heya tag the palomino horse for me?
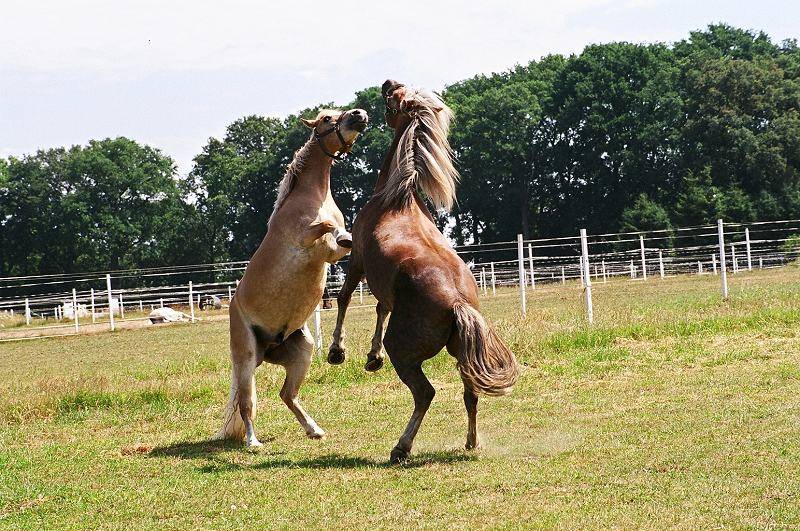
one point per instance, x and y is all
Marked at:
(415, 274)
(285, 278)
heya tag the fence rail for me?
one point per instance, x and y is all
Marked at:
(73, 300)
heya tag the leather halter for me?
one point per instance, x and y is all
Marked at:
(344, 147)
(389, 90)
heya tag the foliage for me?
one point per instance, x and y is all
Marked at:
(112, 204)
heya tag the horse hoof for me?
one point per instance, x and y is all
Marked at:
(316, 435)
(374, 363)
(253, 444)
(472, 446)
(398, 456)
(335, 355)
(344, 239)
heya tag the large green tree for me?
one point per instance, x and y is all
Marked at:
(109, 205)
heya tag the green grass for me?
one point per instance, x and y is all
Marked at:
(676, 409)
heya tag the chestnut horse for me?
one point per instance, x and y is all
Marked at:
(284, 280)
(415, 274)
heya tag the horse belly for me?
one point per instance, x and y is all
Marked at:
(283, 297)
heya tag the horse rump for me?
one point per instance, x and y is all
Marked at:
(486, 364)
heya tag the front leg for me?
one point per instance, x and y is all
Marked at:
(375, 356)
(317, 230)
(354, 275)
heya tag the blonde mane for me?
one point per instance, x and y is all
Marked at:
(423, 160)
(289, 180)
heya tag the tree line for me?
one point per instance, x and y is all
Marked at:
(619, 137)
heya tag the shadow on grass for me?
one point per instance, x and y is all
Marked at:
(208, 449)
(196, 449)
(349, 462)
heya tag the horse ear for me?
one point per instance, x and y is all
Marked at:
(311, 124)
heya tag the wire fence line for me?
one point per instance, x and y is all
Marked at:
(70, 301)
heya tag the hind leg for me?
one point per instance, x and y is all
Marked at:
(295, 355)
(414, 335)
(241, 408)
(470, 399)
(423, 392)
(471, 403)
(245, 378)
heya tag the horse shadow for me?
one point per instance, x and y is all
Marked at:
(209, 451)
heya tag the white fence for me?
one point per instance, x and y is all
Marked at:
(67, 302)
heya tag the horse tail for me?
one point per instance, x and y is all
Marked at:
(233, 426)
(486, 364)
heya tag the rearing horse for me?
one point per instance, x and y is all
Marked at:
(285, 278)
(415, 274)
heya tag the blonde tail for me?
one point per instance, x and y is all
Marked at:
(485, 362)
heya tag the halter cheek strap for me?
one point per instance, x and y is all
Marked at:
(344, 147)
(388, 90)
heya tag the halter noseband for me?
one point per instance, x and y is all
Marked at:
(344, 147)
(388, 98)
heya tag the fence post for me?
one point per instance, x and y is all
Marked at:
(110, 298)
(92, 301)
(75, 308)
(530, 266)
(361, 292)
(191, 301)
(721, 236)
(734, 263)
(27, 312)
(161, 302)
(644, 262)
(761, 262)
(230, 295)
(563, 277)
(699, 267)
(494, 290)
(714, 262)
(661, 263)
(633, 270)
(121, 306)
(747, 248)
(605, 277)
(483, 280)
(580, 268)
(317, 329)
(521, 267)
(587, 282)
(141, 306)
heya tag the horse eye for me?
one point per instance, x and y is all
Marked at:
(326, 119)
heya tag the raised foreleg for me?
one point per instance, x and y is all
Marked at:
(318, 229)
(375, 356)
(354, 276)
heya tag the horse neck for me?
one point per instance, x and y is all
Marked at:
(387, 166)
(387, 160)
(315, 176)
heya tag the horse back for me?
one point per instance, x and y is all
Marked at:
(405, 256)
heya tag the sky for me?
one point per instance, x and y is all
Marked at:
(172, 73)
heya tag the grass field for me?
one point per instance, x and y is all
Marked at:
(675, 409)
